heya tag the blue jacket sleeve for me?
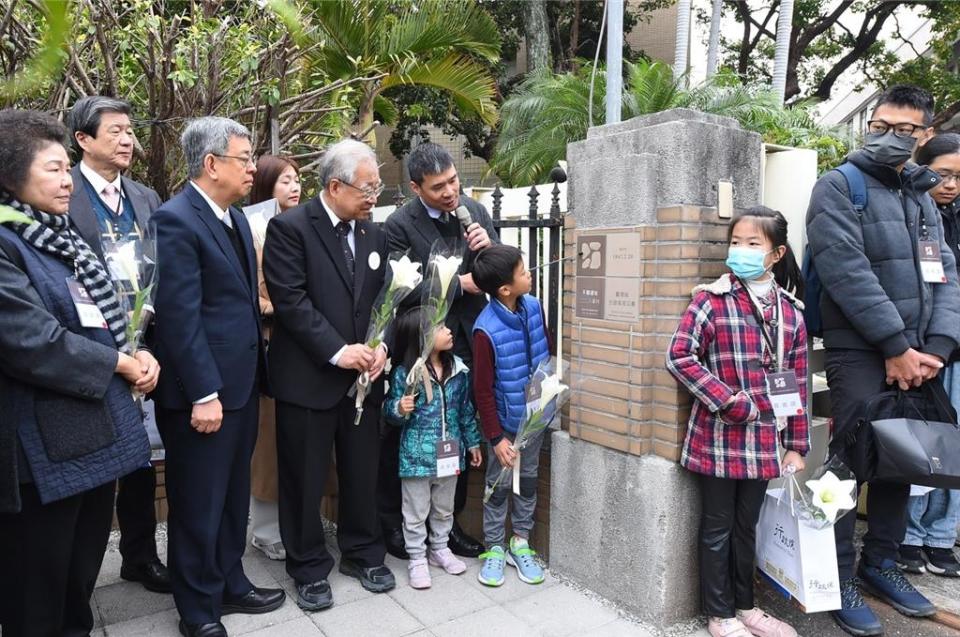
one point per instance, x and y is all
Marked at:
(391, 405)
(469, 426)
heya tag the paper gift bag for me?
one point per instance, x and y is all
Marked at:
(800, 560)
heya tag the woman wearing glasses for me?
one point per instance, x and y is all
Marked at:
(933, 516)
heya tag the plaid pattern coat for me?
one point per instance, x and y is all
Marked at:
(717, 354)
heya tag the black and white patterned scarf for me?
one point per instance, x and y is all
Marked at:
(52, 234)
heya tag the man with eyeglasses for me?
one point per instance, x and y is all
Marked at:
(886, 321)
(209, 340)
(324, 264)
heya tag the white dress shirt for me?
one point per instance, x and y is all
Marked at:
(352, 242)
(99, 183)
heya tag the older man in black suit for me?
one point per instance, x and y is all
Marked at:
(324, 265)
(108, 209)
(416, 226)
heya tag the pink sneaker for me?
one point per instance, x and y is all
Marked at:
(445, 559)
(730, 627)
(419, 573)
(763, 625)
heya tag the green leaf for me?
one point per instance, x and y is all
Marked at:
(9, 215)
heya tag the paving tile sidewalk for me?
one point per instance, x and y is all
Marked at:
(456, 606)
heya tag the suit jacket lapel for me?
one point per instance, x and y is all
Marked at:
(423, 223)
(361, 242)
(246, 240)
(82, 214)
(321, 224)
(141, 208)
(216, 229)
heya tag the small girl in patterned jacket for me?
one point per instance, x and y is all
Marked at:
(435, 422)
(740, 337)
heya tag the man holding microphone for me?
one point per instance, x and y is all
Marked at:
(437, 212)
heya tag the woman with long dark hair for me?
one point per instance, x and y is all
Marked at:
(276, 178)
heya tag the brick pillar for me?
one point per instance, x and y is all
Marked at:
(644, 197)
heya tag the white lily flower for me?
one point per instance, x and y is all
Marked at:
(406, 273)
(126, 259)
(830, 494)
(550, 388)
(447, 267)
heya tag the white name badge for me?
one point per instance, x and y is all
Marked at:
(448, 458)
(374, 260)
(87, 310)
(931, 266)
(784, 394)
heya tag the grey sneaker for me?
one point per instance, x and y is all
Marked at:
(273, 551)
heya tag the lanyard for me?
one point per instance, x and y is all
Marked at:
(775, 349)
(443, 400)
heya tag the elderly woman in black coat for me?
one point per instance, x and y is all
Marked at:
(69, 426)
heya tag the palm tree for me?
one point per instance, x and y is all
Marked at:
(546, 112)
(442, 44)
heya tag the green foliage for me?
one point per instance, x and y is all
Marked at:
(447, 45)
(549, 111)
(574, 36)
(55, 22)
(938, 70)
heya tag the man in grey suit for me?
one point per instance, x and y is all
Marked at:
(107, 208)
(416, 225)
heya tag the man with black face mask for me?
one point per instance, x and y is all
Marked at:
(885, 322)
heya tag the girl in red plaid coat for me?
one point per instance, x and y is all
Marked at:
(739, 334)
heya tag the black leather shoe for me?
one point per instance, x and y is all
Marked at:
(258, 600)
(377, 579)
(462, 544)
(314, 596)
(396, 546)
(215, 629)
(153, 575)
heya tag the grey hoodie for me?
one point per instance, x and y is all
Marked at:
(874, 295)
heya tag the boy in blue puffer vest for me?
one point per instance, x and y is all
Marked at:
(509, 341)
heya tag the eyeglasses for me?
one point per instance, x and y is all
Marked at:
(903, 129)
(948, 177)
(367, 192)
(247, 161)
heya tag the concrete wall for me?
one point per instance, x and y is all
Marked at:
(624, 514)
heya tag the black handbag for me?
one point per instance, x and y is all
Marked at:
(909, 437)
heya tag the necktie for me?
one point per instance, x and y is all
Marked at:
(111, 197)
(343, 229)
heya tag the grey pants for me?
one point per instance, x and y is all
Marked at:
(524, 505)
(423, 498)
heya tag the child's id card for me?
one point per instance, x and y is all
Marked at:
(87, 310)
(448, 458)
(931, 266)
(784, 394)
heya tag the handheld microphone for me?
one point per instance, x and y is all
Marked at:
(463, 215)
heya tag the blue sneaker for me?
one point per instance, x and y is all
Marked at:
(854, 615)
(491, 573)
(888, 583)
(524, 559)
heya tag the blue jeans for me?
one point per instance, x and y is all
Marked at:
(932, 518)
